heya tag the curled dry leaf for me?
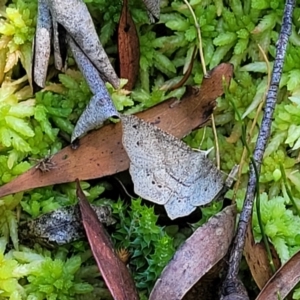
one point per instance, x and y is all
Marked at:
(68, 17)
(128, 47)
(166, 171)
(75, 18)
(257, 259)
(113, 270)
(208, 245)
(101, 152)
(283, 281)
(100, 107)
(41, 44)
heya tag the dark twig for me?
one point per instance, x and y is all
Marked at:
(231, 285)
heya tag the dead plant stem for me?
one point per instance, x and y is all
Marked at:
(230, 285)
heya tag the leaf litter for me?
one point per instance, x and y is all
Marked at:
(101, 152)
(189, 263)
(70, 23)
(283, 281)
(128, 47)
(113, 270)
(73, 18)
(183, 155)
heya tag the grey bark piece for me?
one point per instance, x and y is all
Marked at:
(74, 16)
(166, 171)
(101, 106)
(61, 226)
(42, 47)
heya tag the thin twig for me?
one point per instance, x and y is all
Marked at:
(288, 190)
(199, 37)
(246, 151)
(213, 123)
(254, 123)
(202, 60)
(231, 280)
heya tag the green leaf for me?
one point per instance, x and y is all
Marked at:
(294, 80)
(164, 63)
(225, 38)
(19, 125)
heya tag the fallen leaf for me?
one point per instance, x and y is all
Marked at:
(67, 17)
(3, 53)
(257, 259)
(166, 171)
(42, 44)
(199, 253)
(101, 152)
(26, 60)
(283, 281)
(113, 270)
(75, 18)
(207, 287)
(128, 47)
(101, 106)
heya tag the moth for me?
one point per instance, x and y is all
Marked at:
(166, 171)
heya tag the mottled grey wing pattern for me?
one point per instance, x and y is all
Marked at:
(166, 171)
(201, 187)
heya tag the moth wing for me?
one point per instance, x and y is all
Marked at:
(207, 184)
(178, 207)
(152, 185)
(141, 143)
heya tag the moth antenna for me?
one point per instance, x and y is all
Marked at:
(124, 188)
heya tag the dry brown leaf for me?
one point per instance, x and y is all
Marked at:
(55, 88)
(205, 248)
(101, 152)
(113, 270)
(257, 259)
(283, 281)
(207, 287)
(11, 60)
(128, 47)
(3, 53)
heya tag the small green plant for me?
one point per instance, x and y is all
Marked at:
(149, 245)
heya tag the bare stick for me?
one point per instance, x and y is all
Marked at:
(231, 284)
